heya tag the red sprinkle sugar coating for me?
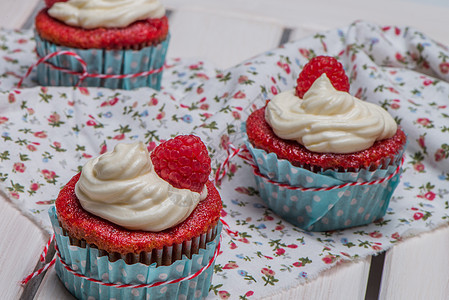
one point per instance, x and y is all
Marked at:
(83, 225)
(262, 136)
(137, 35)
(315, 68)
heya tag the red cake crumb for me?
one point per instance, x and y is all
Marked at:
(262, 136)
(114, 238)
(137, 35)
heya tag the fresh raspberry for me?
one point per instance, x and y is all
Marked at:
(315, 68)
(49, 3)
(183, 162)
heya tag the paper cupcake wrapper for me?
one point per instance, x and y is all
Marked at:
(323, 210)
(87, 261)
(102, 61)
(281, 170)
(328, 210)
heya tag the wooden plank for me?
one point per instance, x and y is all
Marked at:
(14, 14)
(21, 244)
(305, 31)
(402, 266)
(418, 268)
(327, 14)
(346, 281)
(29, 22)
(52, 288)
(375, 277)
(224, 40)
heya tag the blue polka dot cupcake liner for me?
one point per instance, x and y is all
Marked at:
(281, 170)
(328, 200)
(102, 61)
(105, 274)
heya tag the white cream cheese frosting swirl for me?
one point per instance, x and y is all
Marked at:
(89, 14)
(121, 186)
(327, 120)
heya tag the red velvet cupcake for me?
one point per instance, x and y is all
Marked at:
(117, 38)
(325, 160)
(127, 210)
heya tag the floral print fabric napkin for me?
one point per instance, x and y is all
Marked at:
(48, 133)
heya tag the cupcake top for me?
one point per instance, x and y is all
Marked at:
(124, 183)
(103, 24)
(122, 186)
(89, 14)
(326, 120)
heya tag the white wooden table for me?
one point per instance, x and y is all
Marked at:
(417, 268)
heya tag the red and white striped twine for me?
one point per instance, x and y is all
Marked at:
(245, 155)
(84, 74)
(228, 228)
(150, 285)
(223, 167)
(42, 259)
(69, 269)
(47, 246)
(38, 272)
(334, 187)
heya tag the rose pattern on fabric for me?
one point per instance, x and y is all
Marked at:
(48, 133)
